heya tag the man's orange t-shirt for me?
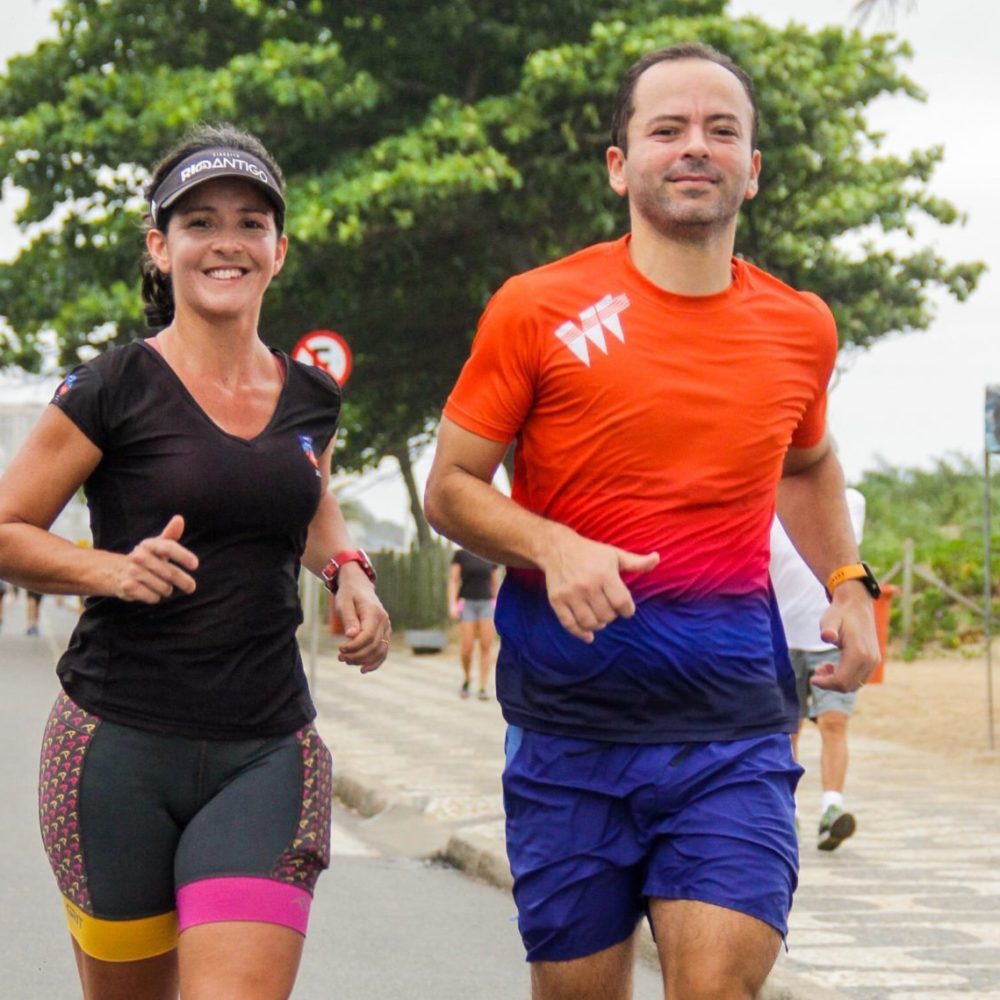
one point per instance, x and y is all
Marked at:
(653, 422)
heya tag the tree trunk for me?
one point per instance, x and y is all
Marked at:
(402, 456)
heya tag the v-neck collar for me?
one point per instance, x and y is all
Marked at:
(186, 393)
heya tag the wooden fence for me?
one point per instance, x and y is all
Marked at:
(908, 569)
(413, 585)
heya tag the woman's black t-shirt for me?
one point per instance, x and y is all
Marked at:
(221, 663)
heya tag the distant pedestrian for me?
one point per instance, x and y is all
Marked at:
(472, 590)
(33, 612)
(801, 603)
(185, 791)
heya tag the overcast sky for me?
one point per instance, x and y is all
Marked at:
(912, 398)
(917, 397)
(25, 22)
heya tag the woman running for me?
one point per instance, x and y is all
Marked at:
(185, 793)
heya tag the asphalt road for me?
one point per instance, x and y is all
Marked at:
(383, 926)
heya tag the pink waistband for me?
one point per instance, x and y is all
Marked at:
(262, 900)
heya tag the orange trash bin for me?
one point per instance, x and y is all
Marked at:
(883, 605)
(336, 622)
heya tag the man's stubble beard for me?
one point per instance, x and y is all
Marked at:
(684, 223)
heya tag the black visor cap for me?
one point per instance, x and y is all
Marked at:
(209, 165)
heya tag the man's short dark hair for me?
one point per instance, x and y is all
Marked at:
(624, 106)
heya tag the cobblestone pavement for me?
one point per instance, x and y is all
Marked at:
(908, 909)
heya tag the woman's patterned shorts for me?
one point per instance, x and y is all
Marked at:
(150, 834)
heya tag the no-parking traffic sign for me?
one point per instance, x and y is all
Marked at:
(327, 350)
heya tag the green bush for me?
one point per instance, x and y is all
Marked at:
(941, 509)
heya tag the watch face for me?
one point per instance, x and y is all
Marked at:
(332, 570)
(871, 582)
(366, 565)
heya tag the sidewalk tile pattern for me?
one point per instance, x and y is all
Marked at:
(907, 909)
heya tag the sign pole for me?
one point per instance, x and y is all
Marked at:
(992, 446)
(328, 351)
(312, 625)
(988, 598)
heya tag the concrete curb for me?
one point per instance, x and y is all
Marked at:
(354, 792)
(478, 857)
(411, 831)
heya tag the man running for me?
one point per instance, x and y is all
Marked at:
(658, 390)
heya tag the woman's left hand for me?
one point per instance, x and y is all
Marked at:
(367, 628)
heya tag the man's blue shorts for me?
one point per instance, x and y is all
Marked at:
(596, 829)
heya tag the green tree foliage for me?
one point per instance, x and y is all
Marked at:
(941, 510)
(431, 150)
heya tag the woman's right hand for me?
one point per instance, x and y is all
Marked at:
(156, 567)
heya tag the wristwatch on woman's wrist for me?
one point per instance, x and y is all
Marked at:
(331, 571)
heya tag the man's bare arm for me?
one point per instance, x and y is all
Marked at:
(583, 577)
(814, 513)
(813, 510)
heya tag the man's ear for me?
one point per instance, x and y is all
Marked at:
(615, 157)
(753, 185)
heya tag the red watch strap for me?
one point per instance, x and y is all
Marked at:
(331, 571)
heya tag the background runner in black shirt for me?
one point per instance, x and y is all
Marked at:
(472, 587)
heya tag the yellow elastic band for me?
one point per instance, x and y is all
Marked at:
(122, 940)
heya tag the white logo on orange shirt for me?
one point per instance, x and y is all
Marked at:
(594, 320)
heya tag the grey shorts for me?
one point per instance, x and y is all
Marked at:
(474, 611)
(814, 701)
